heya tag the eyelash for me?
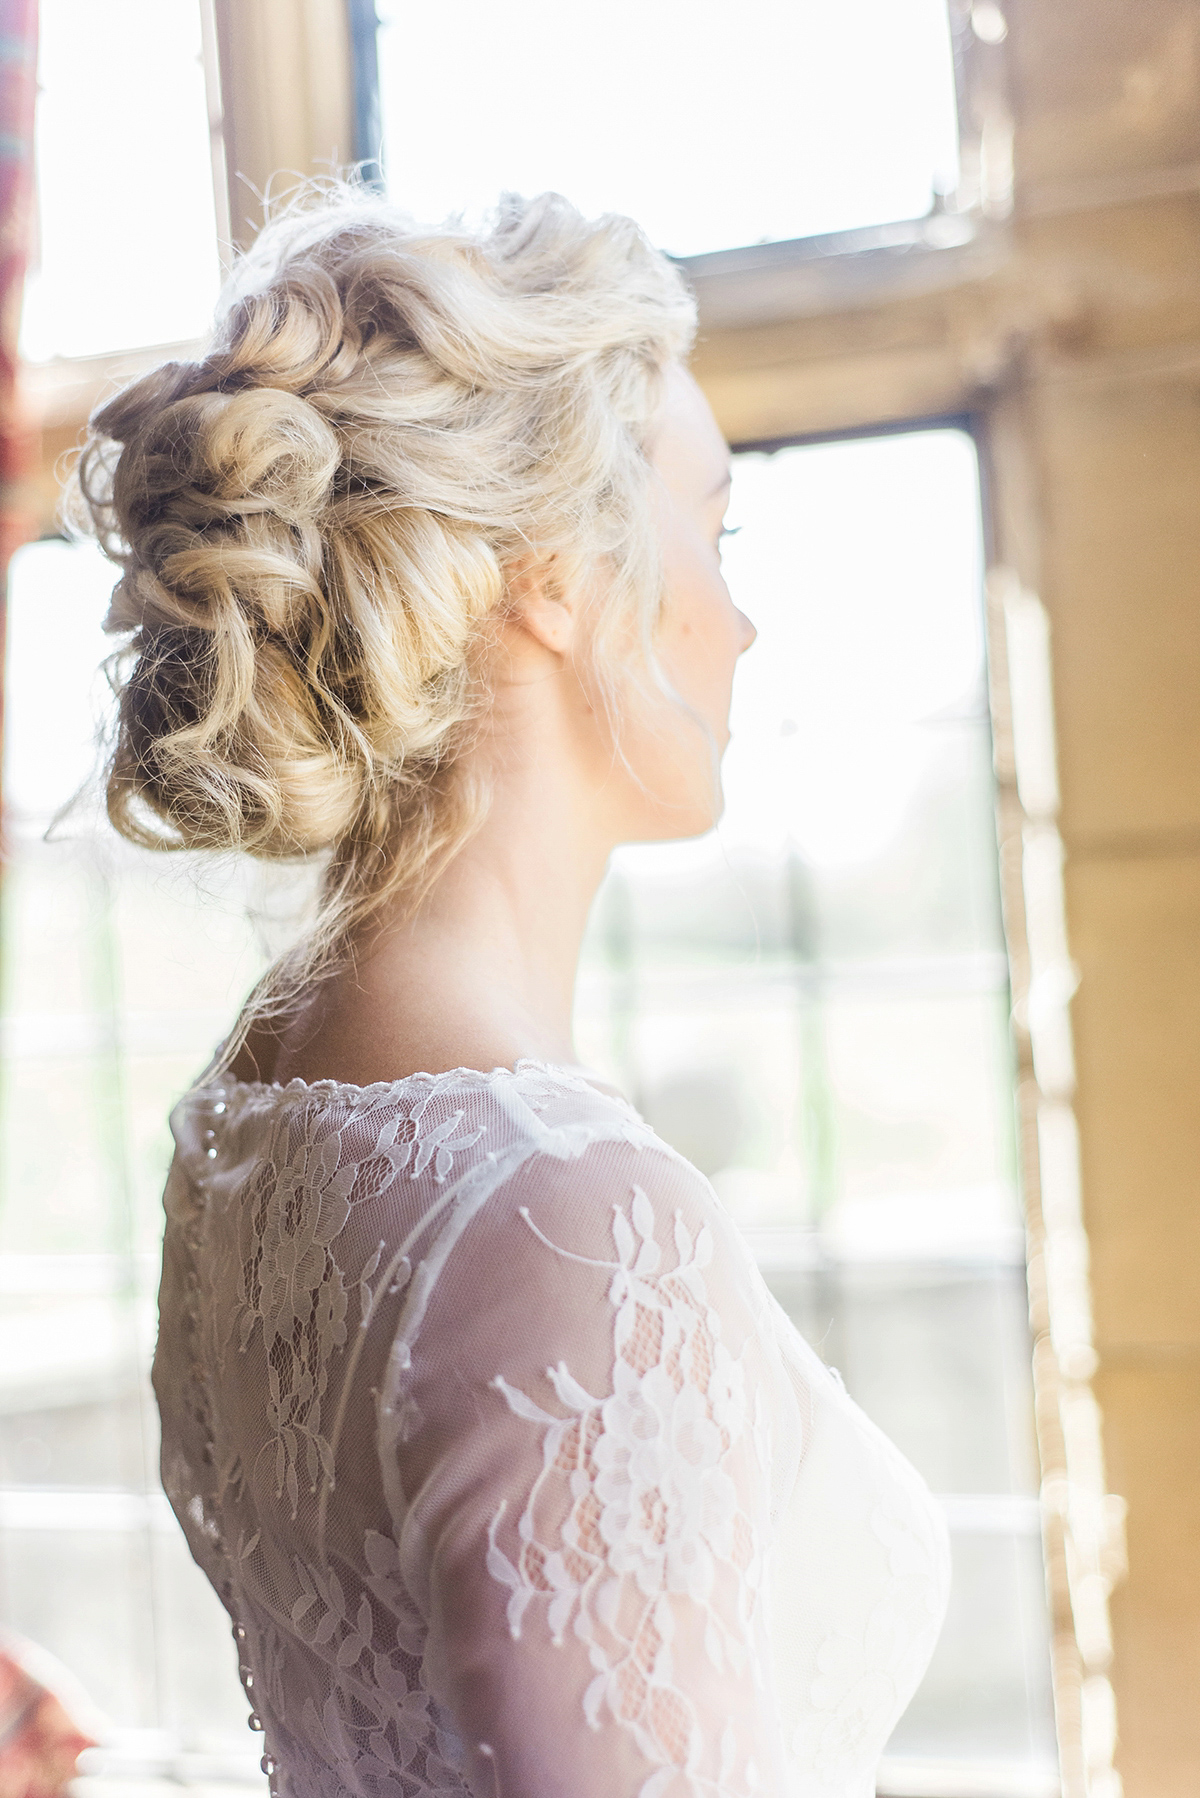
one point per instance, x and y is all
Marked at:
(728, 530)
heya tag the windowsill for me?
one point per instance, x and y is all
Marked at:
(63, 390)
(900, 1777)
(767, 283)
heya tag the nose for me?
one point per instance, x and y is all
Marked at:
(747, 633)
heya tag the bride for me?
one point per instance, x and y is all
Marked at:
(476, 1411)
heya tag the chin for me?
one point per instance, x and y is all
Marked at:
(682, 821)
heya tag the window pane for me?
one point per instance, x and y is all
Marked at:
(713, 126)
(124, 176)
(812, 1004)
(120, 971)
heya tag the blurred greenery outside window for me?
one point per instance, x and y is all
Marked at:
(811, 1002)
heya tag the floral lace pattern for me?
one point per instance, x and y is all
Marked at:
(651, 1503)
(288, 1280)
(342, 1424)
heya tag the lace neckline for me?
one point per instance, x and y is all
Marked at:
(573, 1073)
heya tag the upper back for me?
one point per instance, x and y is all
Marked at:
(439, 1352)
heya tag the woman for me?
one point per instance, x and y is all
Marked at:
(476, 1411)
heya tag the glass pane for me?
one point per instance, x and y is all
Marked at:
(124, 175)
(85, 1593)
(812, 1004)
(120, 970)
(987, 1694)
(711, 126)
(957, 1331)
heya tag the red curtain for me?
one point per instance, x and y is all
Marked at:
(18, 89)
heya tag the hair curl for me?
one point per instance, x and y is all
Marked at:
(316, 521)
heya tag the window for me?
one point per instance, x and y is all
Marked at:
(120, 972)
(712, 126)
(131, 229)
(812, 1003)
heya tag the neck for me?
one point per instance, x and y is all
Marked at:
(502, 928)
(483, 975)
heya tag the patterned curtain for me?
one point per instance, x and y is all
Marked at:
(18, 90)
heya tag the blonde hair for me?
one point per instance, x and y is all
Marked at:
(317, 520)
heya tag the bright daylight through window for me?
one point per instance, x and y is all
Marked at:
(125, 188)
(723, 127)
(811, 1003)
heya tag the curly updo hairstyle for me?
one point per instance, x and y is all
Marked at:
(316, 522)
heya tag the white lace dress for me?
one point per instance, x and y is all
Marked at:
(513, 1477)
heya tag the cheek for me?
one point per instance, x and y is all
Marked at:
(698, 640)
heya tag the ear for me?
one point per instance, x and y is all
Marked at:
(540, 606)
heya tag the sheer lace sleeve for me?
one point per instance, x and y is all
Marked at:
(580, 1443)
